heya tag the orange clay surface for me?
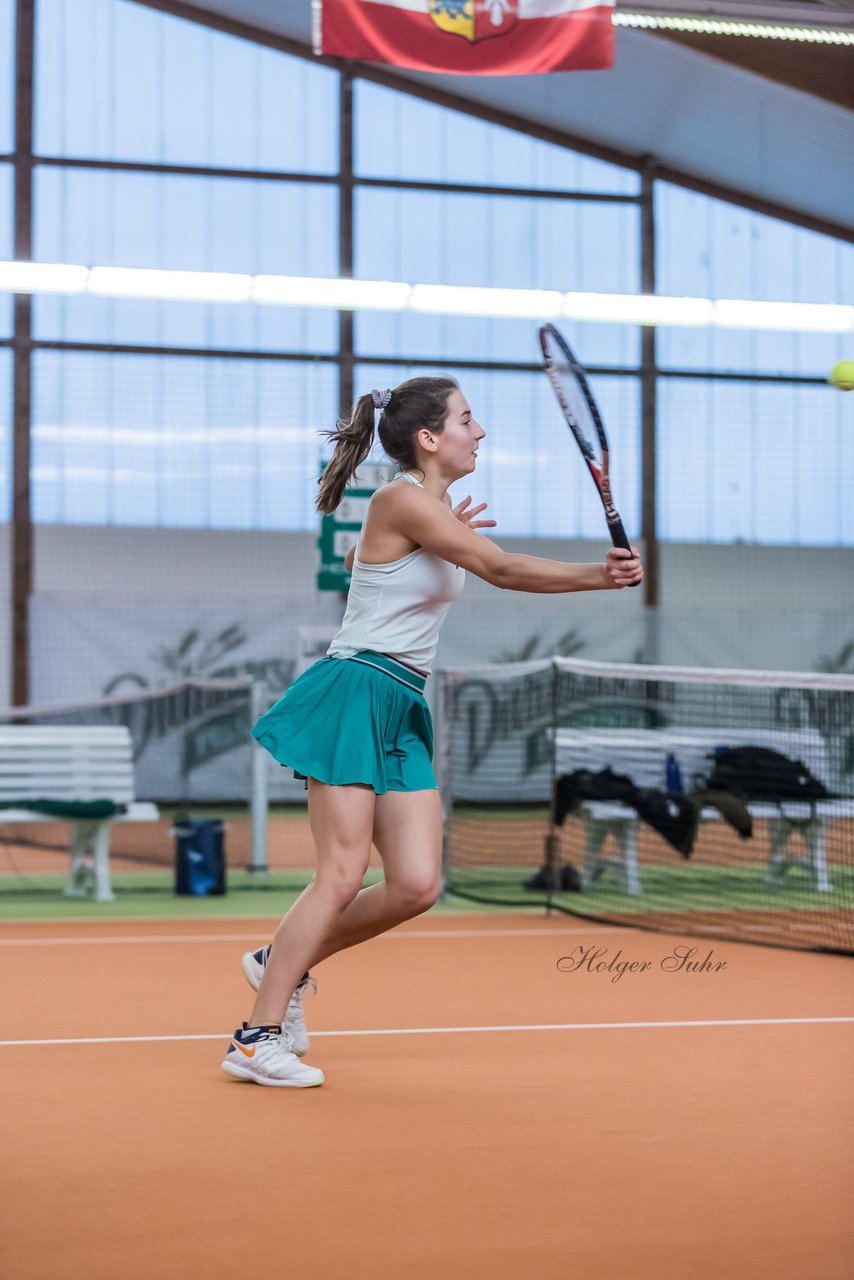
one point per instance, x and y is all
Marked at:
(44, 846)
(554, 1150)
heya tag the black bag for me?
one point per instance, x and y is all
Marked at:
(758, 773)
(584, 784)
(673, 817)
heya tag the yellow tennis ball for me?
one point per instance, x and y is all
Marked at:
(842, 375)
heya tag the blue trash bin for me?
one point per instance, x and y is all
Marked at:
(199, 857)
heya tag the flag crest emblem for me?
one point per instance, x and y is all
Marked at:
(474, 19)
(455, 37)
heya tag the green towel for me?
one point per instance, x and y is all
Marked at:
(81, 809)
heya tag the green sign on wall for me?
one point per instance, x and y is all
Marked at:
(340, 531)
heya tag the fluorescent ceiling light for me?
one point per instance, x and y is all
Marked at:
(447, 299)
(724, 27)
(800, 317)
(342, 294)
(162, 437)
(42, 277)
(625, 308)
(188, 286)
(396, 296)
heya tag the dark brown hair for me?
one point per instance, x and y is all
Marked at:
(420, 403)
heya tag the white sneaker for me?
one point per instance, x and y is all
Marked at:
(295, 1019)
(263, 1055)
(254, 964)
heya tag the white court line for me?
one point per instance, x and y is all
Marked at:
(249, 916)
(437, 1031)
(117, 940)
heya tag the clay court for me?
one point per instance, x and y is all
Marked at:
(484, 1112)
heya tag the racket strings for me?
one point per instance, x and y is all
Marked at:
(574, 402)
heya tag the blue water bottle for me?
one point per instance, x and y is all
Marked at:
(673, 775)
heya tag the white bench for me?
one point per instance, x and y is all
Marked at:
(641, 754)
(76, 763)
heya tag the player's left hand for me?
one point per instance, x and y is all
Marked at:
(620, 570)
(468, 517)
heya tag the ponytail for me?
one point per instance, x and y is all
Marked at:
(415, 405)
(353, 442)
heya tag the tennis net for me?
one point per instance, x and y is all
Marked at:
(192, 751)
(707, 802)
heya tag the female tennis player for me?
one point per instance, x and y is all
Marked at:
(356, 724)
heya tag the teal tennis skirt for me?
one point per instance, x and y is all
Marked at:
(360, 719)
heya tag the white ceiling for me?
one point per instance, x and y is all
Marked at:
(835, 14)
(692, 112)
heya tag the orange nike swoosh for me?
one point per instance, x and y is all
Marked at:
(250, 1053)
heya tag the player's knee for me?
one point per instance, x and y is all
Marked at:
(343, 894)
(339, 885)
(417, 894)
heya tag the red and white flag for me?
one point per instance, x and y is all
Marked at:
(469, 37)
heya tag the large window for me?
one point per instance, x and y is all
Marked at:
(7, 145)
(7, 76)
(178, 441)
(710, 249)
(191, 223)
(754, 462)
(526, 242)
(512, 242)
(227, 436)
(7, 243)
(740, 461)
(160, 440)
(399, 137)
(118, 82)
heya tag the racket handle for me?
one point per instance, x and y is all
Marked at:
(619, 539)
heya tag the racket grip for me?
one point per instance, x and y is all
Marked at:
(619, 539)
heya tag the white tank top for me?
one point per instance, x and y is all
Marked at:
(398, 607)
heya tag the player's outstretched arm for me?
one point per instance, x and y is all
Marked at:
(462, 511)
(427, 521)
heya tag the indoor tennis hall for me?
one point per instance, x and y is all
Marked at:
(584, 271)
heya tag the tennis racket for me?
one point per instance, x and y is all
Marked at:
(584, 420)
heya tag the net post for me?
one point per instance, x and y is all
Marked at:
(445, 686)
(259, 798)
(553, 835)
(649, 418)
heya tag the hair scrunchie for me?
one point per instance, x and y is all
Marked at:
(381, 398)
